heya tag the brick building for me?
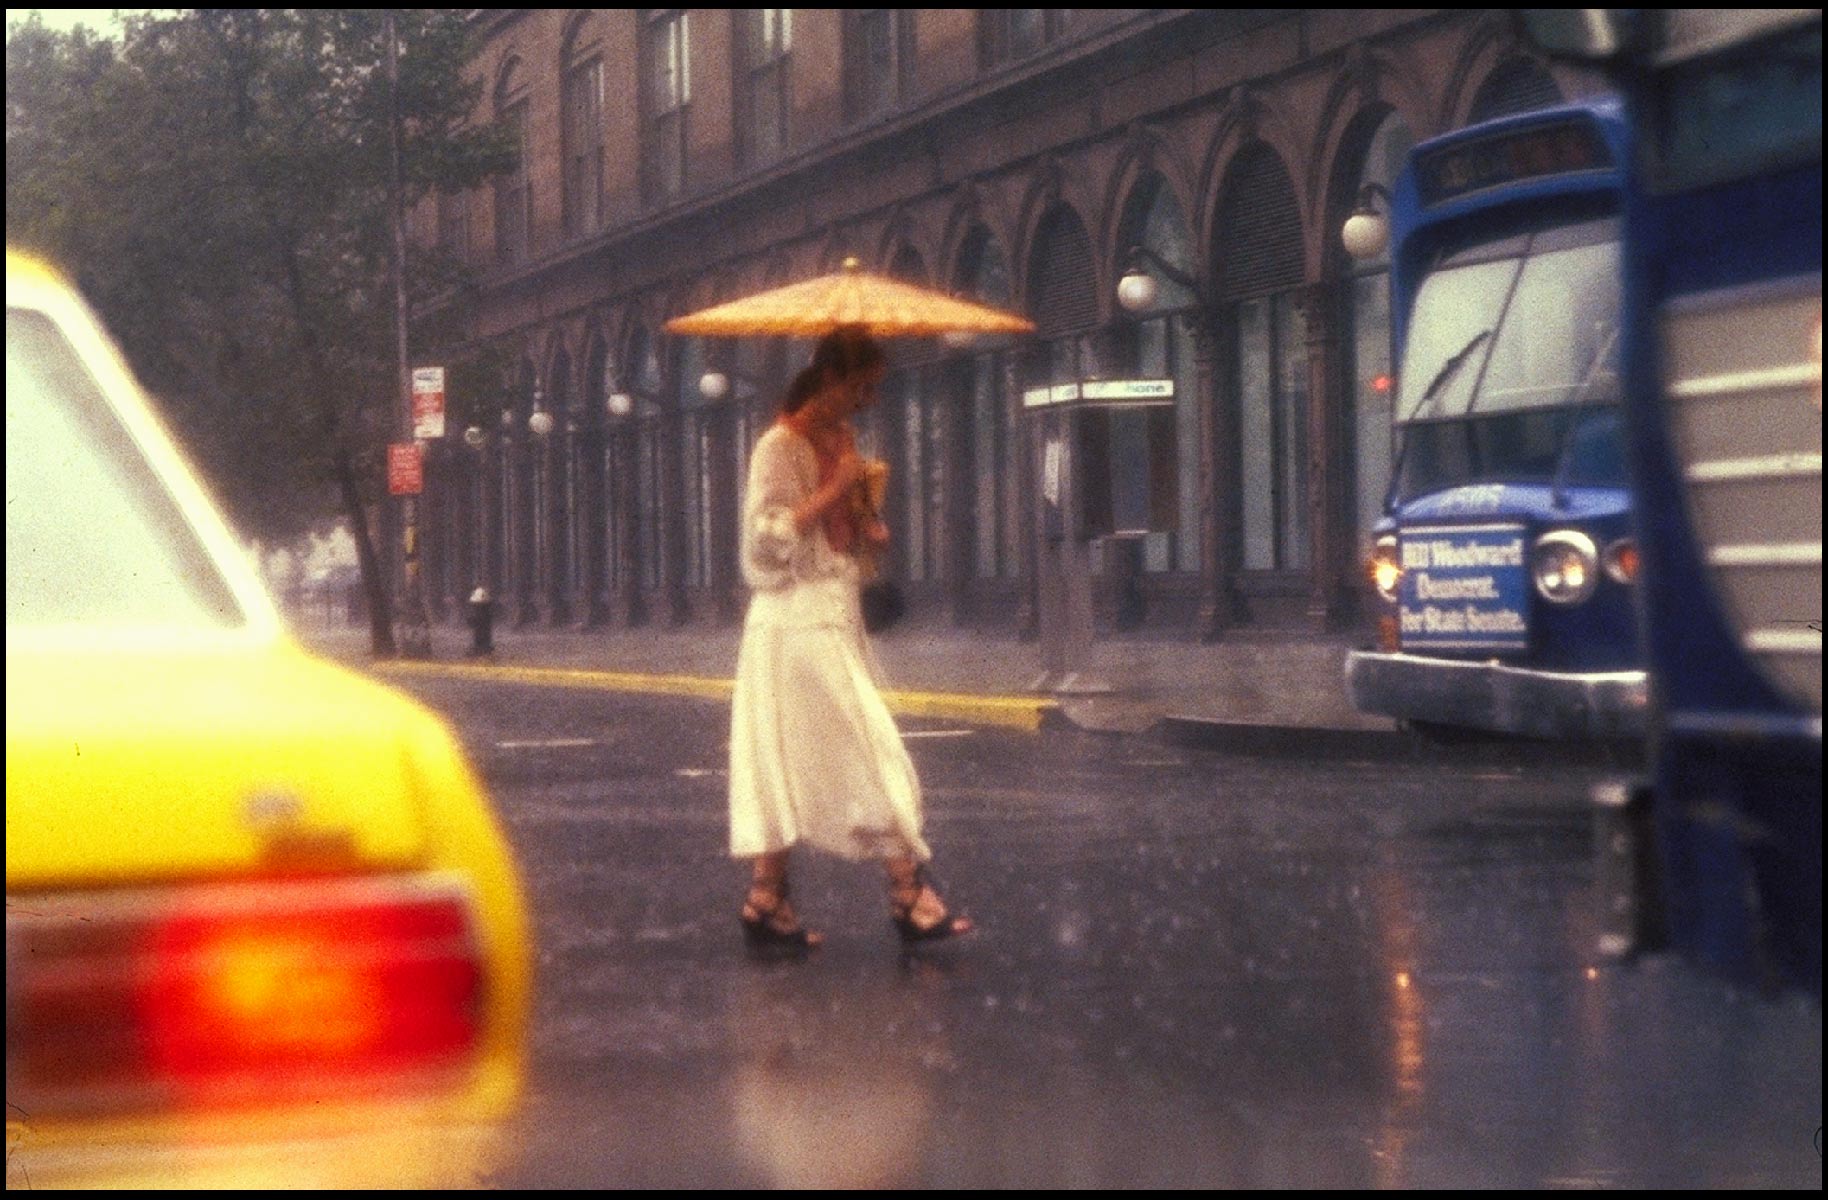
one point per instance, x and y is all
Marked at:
(676, 158)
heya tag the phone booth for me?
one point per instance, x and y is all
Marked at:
(1105, 466)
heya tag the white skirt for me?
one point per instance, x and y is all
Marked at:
(815, 757)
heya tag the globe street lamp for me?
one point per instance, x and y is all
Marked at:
(1366, 232)
(1138, 291)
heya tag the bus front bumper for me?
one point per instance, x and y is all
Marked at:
(1498, 698)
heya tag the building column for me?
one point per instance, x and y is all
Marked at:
(671, 515)
(1218, 480)
(1328, 500)
(1028, 612)
(630, 569)
(957, 549)
(525, 522)
(553, 454)
(724, 570)
(591, 531)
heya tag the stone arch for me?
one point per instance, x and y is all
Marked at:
(555, 358)
(1490, 43)
(510, 81)
(1050, 189)
(901, 233)
(582, 28)
(1149, 159)
(1247, 120)
(974, 207)
(1371, 84)
(1258, 162)
(1347, 153)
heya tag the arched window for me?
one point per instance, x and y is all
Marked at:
(598, 549)
(581, 126)
(1158, 344)
(984, 276)
(517, 489)
(514, 188)
(697, 458)
(1063, 299)
(1260, 275)
(558, 488)
(914, 423)
(1520, 85)
(644, 384)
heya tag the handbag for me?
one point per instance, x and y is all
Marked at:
(881, 600)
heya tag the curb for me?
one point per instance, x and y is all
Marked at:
(1011, 712)
(1391, 745)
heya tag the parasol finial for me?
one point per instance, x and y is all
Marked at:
(851, 264)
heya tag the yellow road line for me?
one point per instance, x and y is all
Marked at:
(1015, 712)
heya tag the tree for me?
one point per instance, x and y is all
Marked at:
(218, 185)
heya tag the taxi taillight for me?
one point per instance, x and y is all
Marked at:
(238, 994)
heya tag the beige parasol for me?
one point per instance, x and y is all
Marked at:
(883, 307)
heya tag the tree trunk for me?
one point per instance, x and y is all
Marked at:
(380, 608)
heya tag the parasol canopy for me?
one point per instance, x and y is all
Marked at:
(884, 307)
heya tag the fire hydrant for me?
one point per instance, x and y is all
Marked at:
(482, 623)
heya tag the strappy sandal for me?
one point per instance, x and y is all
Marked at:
(901, 914)
(761, 925)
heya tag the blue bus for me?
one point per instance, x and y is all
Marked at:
(1721, 857)
(1505, 559)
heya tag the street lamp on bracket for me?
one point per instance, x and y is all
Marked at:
(1366, 232)
(1138, 290)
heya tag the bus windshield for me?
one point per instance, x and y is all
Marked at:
(1529, 322)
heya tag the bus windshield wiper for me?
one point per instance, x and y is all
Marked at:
(1446, 372)
(1428, 395)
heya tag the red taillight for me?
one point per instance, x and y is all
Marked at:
(251, 992)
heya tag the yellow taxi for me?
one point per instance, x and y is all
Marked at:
(262, 926)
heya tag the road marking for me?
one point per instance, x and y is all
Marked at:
(938, 733)
(548, 744)
(1019, 712)
(697, 772)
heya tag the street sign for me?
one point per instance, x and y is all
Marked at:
(1102, 391)
(428, 402)
(405, 474)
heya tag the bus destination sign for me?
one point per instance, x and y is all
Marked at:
(1537, 153)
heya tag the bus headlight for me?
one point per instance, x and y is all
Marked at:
(1621, 561)
(1565, 565)
(1384, 567)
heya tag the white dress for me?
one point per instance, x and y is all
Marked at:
(815, 757)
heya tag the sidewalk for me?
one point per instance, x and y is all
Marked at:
(1257, 683)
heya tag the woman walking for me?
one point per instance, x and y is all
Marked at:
(815, 757)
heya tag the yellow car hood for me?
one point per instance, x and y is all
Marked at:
(131, 765)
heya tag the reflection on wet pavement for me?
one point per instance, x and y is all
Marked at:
(1192, 971)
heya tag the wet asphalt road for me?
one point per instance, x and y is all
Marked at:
(1193, 970)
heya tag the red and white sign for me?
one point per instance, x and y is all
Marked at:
(428, 402)
(405, 471)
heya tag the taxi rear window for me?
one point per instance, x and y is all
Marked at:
(92, 535)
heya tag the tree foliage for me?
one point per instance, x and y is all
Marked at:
(217, 182)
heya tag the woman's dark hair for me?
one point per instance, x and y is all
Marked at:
(843, 352)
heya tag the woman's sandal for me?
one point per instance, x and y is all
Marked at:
(762, 928)
(947, 926)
